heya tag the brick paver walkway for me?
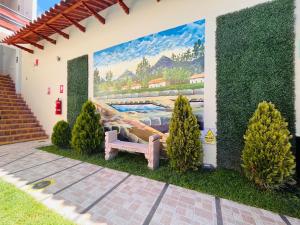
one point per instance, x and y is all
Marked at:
(89, 194)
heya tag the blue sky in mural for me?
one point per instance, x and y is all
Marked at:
(44, 5)
(174, 39)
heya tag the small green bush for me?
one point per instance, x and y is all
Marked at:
(87, 133)
(61, 135)
(184, 147)
(267, 157)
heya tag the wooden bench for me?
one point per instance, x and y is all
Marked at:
(151, 150)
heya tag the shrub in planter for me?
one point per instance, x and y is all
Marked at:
(61, 135)
(267, 157)
(87, 133)
(184, 147)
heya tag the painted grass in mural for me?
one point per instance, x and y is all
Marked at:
(137, 82)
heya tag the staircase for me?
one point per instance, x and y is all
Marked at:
(17, 122)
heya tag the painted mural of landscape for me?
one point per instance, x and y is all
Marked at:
(137, 82)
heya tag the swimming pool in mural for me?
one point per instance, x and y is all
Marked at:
(137, 82)
(138, 108)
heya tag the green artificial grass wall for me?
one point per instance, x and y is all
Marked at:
(255, 62)
(77, 86)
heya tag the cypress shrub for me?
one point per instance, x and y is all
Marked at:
(61, 135)
(267, 157)
(87, 133)
(184, 147)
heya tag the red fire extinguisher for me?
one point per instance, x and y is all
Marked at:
(58, 107)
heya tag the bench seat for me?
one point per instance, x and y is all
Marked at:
(150, 150)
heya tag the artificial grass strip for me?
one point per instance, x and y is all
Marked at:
(18, 208)
(223, 183)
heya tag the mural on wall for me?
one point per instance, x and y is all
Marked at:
(137, 82)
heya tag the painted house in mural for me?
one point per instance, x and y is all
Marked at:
(156, 83)
(138, 81)
(197, 78)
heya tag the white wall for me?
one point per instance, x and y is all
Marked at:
(146, 17)
(297, 63)
(9, 65)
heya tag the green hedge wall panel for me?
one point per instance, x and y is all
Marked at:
(255, 62)
(77, 86)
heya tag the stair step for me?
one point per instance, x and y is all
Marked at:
(18, 125)
(20, 131)
(6, 84)
(10, 100)
(11, 104)
(24, 140)
(14, 112)
(11, 96)
(20, 107)
(21, 136)
(4, 92)
(17, 116)
(14, 121)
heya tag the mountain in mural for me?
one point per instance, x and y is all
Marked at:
(127, 75)
(162, 63)
(194, 66)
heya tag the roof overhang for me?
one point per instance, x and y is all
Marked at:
(59, 17)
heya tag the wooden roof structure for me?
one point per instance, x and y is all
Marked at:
(56, 19)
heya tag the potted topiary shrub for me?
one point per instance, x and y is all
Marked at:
(184, 147)
(267, 158)
(61, 135)
(87, 133)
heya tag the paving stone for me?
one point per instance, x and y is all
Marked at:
(37, 158)
(12, 157)
(130, 203)
(35, 173)
(78, 197)
(235, 213)
(180, 206)
(293, 221)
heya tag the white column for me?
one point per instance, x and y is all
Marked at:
(210, 107)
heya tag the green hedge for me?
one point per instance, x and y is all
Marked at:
(255, 62)
(77, 86)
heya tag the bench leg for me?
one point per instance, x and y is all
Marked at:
(153, 152)
(110, 152)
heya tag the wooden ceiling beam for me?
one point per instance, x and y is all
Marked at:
(98, 17)
(124, 6)
(33, 43)
(58, 31)
(45, 37)
(78, 25)
(23, 48)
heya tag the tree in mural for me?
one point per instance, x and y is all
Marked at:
(109, 76)
(143, 70)
(176, 75)
(198, 50)
(97, 79)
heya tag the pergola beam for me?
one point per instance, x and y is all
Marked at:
(33, 43)
(78, 25)
(23, 48)
(124, 6)
(45, 37)
(58, 31)
(100, 18)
